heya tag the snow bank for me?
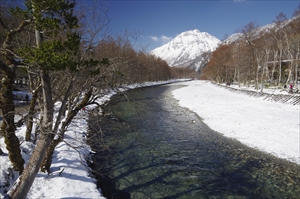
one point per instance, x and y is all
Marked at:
(69, 176)
(268, 126)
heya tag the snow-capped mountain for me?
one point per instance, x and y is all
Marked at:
(190, 49)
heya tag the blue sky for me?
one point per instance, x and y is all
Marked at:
(160, 21)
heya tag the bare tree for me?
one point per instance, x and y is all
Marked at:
(250, 34)
(278, 35)
(292, 40)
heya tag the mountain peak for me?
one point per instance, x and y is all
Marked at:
(189, 49)
(195, 31)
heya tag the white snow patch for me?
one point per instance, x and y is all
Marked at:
(268, 126)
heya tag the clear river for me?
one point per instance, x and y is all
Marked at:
(148, 147)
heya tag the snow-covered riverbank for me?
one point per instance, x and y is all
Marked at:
(268, 126)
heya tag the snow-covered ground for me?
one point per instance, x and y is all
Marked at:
(69, 178)
(268, 126)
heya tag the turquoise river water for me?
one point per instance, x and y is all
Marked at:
(149, 147)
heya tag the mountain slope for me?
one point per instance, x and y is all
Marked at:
(190, 49)
(259, 31)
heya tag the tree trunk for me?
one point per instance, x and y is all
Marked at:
(48, 159)
(7, 104)
(62, 108)
(262, 79)
(22, 186)
(289, 79)
(296, 74)
(30, 116)
(256, 77)
(279, 68)
(37, 129)
(274, 67)
(8, 126)
(239, 78)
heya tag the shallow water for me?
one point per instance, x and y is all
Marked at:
(149, 147)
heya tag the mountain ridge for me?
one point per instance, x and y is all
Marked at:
(189, 49)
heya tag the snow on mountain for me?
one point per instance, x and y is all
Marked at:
(232, 38)
(190, 49)
(259, 31)
(240, 36)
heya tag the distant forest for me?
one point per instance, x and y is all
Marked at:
(263, 56)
